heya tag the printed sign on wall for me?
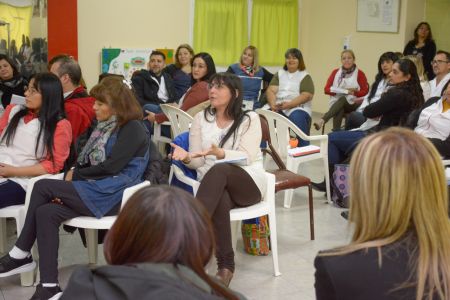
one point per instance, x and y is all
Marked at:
(127, 61)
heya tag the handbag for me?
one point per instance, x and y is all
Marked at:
(255, 234)
(339, 185)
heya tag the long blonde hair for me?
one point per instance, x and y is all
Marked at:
(398, 187)
(255, 54)
(418, 61)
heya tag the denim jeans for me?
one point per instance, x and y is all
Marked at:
(303, 121)
(154, 108)
(341, 144)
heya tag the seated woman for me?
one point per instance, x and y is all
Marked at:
(224, 130)
(433, 121)
(11, 82)
(400, 248)
(114, 158)
(393, 109)
(35, 138)
(254, 77)
(426, 88)
(356, 119)
(194, 100)
(169, 242)
(181, 70)
(345, 86)
(291, 90)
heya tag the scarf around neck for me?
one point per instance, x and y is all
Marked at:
(248, 70)
(94, 152)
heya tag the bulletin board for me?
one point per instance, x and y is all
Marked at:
(126, 61)
(378, 15)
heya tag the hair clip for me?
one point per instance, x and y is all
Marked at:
(127, 83)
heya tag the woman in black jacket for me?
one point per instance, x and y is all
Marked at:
(11, 82)
(424, 46)
(400, 248)
(169, 241)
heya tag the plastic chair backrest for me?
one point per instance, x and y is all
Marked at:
(179, 119)
(279, 127)
(265, 138)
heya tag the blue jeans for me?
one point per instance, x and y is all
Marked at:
(341, 144)
(303, 121)
(154, 108)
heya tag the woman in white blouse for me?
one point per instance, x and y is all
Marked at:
(225, 131)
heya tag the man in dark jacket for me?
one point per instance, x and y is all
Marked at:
(153, 86)
(77, 103)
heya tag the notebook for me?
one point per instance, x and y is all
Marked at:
(240, 161)
(300, 151)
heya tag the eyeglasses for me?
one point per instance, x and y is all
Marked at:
(435, 62)
(31, 90)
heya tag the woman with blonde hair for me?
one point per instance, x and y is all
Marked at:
(253, 76)
(400, 247)
(426, 88)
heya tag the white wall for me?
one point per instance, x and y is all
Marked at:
(128, 24)
(159, 24)
(323, 25)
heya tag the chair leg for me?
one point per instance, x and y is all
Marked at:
(92, 244)
(3, 235)
(274, 242)
(288, 194)
(27, 278)
(235, 226)
(311, 212)
(327, 178)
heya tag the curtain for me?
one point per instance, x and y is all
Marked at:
(220, 28)
(274, 29)
(19, 20)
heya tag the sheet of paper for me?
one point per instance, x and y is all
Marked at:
(16, 99)
(338, 90)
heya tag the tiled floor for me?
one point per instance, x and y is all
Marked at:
(254, 275)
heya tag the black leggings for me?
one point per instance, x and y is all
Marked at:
(44, 218)
(226, 186)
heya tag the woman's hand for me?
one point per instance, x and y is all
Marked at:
(283, 105)
(7, 170)
(180, 154)
(219, 153)
(150, 116)
(351, 91)
(358, 100)
(69, 175)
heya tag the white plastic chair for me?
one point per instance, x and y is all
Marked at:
(279, 127)
(159, 139)
(19, 212)
(92, 224)
(265, 207)
(181, 122)
(179, 119)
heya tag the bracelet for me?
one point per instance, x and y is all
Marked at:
(186, 160)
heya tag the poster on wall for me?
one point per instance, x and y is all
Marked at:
(378, 15)
(127, 61)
